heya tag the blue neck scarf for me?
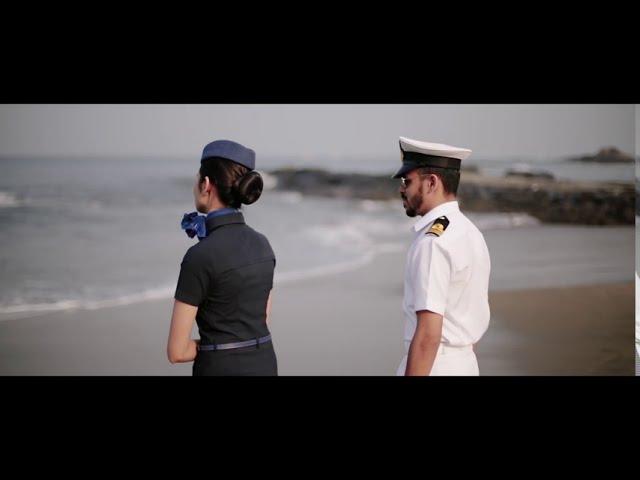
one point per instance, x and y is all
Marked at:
(194, 224)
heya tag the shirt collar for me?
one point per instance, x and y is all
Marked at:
(214, 221)
(442, 209)
(222, 211)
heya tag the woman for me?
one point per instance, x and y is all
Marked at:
(225, 279)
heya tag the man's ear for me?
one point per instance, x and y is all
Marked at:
(433, 181)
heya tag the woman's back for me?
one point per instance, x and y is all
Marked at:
(233, 268)
(225, 279)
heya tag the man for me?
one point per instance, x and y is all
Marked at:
(446, 305)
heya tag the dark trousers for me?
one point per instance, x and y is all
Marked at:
(252, 361)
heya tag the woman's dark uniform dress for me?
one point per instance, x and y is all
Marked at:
(228, 275)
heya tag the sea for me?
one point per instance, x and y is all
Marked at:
(94, 232)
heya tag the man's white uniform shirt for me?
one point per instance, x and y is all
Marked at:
(448, 275)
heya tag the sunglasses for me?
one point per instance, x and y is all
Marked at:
(405, 182)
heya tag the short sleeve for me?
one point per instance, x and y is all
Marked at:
(194, 280)
(431, 277)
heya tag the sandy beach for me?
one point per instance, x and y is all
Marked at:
(347, 324)
(92, 199)
(586, 330)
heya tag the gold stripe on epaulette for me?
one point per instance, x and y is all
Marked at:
(437, 229)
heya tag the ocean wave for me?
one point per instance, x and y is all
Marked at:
(26, 310)
(358, 232)
(364, 259)
(269, 181)
(79, 304)
(290, 196)
(358, 239)
(493, 221)
(376, 206)
(8, 200)
(344, 236)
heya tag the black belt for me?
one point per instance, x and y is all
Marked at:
(228, 346)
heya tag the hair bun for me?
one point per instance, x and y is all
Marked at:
(249, 188)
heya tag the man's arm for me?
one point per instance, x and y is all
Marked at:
(425, 344)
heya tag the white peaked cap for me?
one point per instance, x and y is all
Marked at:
(417, 154)
(436, 149)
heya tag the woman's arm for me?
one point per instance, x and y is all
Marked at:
(269, 306)
(180, 347)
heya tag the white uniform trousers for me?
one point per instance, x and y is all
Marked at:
(450, 361)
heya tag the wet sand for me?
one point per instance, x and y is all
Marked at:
(586, 330)
(347, 324)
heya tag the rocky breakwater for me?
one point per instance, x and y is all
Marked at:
(549, 200)
(606, 155)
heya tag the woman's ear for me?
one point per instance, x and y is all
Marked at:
(206, 185)
(211, 188)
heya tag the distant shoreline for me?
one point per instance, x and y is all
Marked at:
(548, 200)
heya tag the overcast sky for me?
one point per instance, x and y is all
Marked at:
(491, 131)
